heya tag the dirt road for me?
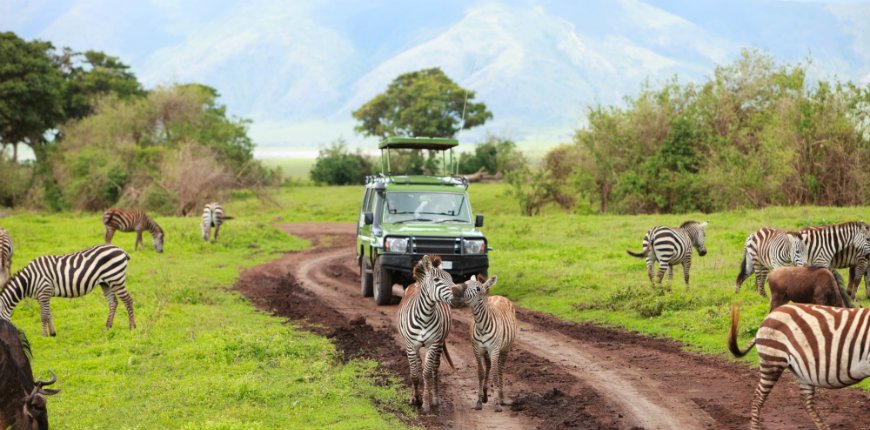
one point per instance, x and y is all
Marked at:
(559, 375)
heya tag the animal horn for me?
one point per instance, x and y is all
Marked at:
(44, 383)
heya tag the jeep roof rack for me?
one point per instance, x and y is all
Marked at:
(445, 145)
(419, 180)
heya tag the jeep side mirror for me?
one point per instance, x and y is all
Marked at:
(478, 220)
(369, 218)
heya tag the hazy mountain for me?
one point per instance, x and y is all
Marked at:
(299, 68)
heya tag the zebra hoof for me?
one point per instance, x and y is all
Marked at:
(426, 409)
(479, 406)
(497, 407)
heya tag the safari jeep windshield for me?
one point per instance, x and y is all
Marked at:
(426, 207)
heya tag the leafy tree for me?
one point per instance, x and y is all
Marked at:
(425, 103)
(336, 165)
(495, 155)
(31, 101)
(93, 74)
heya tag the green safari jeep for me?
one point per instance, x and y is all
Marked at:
(402, 217)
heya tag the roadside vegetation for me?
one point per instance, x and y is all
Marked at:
(201, 357)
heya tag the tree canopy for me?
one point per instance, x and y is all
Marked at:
(424, 103)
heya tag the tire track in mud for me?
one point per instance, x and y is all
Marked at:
(559, 374)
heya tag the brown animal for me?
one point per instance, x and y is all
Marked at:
(802, 284)
(22, 400)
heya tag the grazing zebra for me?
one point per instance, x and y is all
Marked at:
(495, 327)
(70, 275)
(128, 220)
(212, 216)
(824, 242)
(5, 257)
(424, 321)
(670, 246)
(767, 249)
(823, 346)
(851, 258)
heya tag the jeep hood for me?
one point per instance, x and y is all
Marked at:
(442, 230)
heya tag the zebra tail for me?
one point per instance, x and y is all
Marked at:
(447, 356)
(226, 217)
(732, 334)
(641, 254)
(745, 269)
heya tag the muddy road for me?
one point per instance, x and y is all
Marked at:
(559, 374)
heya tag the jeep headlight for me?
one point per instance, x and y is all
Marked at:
(396, 244)
(473, 246)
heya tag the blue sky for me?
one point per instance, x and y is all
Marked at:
(299, 68)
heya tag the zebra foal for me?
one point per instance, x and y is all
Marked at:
(5, 257)
(670, 246)
(128, 220)
(423, 321)
(70, 275)
(212, 217)
(823, 346)
(494, 331)
(768, 249)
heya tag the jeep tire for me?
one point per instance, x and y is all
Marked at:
(382, 281)
(365, 277)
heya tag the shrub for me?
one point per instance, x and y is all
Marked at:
(335, 165)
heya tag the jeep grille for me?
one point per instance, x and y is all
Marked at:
(436, 245)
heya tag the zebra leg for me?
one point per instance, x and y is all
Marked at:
(481, 378)
(206, 231)
(487, 367)
(686, 266)
(414, 364)
(110, 231)
(769, 375)
(808, 392)
(430, 367)
(649, 269)
(663, 267)
(122, 293)
(760, 277)
(217, 228)
(495, 359)
(502, 358)
(138, 240)
(45, 314)
(112, 302)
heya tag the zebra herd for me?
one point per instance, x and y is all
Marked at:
(824, 346)
(423, 320)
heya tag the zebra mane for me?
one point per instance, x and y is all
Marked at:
(436, 262)
(688, 223)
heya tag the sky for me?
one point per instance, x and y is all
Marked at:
(299, 68)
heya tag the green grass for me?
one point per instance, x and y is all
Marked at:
(201, 356)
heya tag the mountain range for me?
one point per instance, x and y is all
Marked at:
(299, 68)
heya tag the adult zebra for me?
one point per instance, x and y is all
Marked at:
(767, 249)
(423, 320)
(5, 257)
(70, 275)
(493, 333)
(670, 246)
(825, 242)
(823, 346)
(128, 220)
(212, 216)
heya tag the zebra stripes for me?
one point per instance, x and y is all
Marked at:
(851, 258)
(212, 216)
(823, 346)
(5, 257)
(670, 246)
(424, 321)
(128, 220)
(494, 331)
(70, 275)
(825, 242)
(767, 249)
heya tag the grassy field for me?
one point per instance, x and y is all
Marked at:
(292, 168)
(576, 267)
(202, 356)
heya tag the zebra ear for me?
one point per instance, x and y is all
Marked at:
(490, 283)
(704, 224)
(473, 278)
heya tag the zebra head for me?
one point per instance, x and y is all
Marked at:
(477, 291)
(433, 281)
(158, 241)
(798, 250)
(696, 232)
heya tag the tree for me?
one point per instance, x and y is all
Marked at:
(336, 165)
(31, 101)
(425, 103)
(496, 155)
(93, 74)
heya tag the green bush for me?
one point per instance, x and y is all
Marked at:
(335, 165)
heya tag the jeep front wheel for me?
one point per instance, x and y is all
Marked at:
(383, 284)
(365, 277)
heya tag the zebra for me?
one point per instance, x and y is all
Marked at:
(494, 331)
(824, 242)
(128, 220)
(5, 257)
(423, 320)
(851, 258)
(70, 275)
(767, 249)
(212, 216)
(671, 246)
(823, 346)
